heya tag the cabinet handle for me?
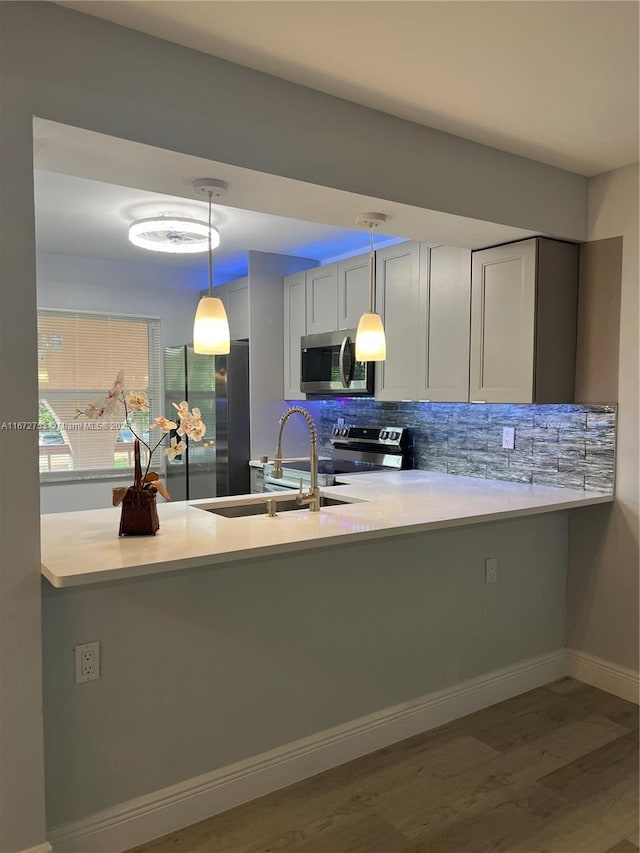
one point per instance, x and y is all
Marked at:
(478, 401)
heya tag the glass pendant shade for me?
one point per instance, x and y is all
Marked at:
(371, 344)
(211, 328)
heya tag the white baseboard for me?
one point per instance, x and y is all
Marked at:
(40, 848)
(134, 822)
(608, 676)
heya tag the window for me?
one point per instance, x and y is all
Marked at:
(79, 356)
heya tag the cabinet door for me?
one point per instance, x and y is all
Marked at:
(295, 326)
(503, 296)
(443, 338)
(353, 291)
(237, 305)
(397, 278)
(322, 299)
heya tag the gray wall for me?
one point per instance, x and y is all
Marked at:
(207, 667)
(75, 69)
(266, 356)
(603, 575)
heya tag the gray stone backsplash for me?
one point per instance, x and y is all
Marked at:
(569, 445)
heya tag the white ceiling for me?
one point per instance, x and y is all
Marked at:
(89, 187)
(553, 81)
(89, 218)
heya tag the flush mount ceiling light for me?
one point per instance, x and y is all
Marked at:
(175, 234)
(371, 343)
(211, 327)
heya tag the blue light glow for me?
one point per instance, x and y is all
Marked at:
(347, 245)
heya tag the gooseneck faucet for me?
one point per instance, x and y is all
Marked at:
(312, 497)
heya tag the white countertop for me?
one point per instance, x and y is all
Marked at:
(84, 547)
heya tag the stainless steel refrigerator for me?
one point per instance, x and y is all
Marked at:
(219, 386)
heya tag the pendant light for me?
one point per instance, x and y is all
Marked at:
(211, 327)
(371, 343)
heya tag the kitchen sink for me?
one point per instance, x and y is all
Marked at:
(240, 510)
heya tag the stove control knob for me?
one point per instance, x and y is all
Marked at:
(394, 436)
(384, 434)
(344, 431)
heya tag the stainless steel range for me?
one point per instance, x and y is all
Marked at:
(355, 450)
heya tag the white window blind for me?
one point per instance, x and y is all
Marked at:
(79, 356)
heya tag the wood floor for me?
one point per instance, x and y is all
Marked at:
(552, 771)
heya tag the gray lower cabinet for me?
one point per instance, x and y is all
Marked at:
(523, 322)
(295, 326)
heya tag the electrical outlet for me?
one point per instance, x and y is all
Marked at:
(508, 438)
(340, 422)
(490, 570)
(87, 658)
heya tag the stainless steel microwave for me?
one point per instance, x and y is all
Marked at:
(328, 366)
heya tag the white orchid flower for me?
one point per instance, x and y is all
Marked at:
(186, 425)
(110, 405)
(118, 385)
(138, 401)
(197, 431)
(182, 409)
(175, 449)
(164, 424)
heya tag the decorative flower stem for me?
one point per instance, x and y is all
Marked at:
(190, 423)
(150, 452)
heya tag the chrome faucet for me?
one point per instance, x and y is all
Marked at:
(312, 497)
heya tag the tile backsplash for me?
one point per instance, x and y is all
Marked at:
(570, 445)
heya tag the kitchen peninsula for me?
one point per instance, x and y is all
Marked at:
(257, 651)
(376, 505)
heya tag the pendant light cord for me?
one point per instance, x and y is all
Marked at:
(210, 250)
(372, 294)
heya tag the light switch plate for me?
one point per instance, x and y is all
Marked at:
(508, 438)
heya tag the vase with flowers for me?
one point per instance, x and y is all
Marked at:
(139, 515)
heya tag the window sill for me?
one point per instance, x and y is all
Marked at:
(69, 477)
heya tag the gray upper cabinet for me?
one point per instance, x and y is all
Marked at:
(295, 326)
(444, 317)
(322, 299)
(523, 322)
(353, 291)
(397, 294)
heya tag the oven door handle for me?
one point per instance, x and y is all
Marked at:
(344, 369)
